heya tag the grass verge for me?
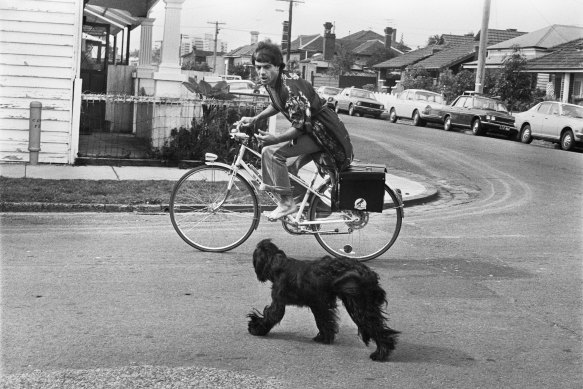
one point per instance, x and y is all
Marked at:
(132, 192)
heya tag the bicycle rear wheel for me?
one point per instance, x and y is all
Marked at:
(207, 214)
(356, 234)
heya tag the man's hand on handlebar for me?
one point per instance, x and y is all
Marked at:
(246, 121)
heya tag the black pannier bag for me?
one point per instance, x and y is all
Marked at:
(362, 188)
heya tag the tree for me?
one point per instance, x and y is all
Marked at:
(417, 77)
(513, 84)
(435, 40)
(246, 72)
(452, 85)
(342, 62)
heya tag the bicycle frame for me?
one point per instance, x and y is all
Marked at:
(255, 180)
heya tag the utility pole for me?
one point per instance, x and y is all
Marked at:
(481, 69)
(289, 26)
(216, 35)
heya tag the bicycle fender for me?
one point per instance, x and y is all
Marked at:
(218, 164)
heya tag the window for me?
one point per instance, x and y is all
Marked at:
(460, 102)
(544, 108)
(554, 110)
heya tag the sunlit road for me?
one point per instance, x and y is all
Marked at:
(485, 283)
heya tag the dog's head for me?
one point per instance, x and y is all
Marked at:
(267, 259)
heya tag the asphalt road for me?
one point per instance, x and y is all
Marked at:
(484, 283)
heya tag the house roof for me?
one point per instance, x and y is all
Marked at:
(409, 58)
(450, 39)
(449, 56)
(547, 37)
(243, 51)
(369, 47)
(454, 54)
(352, 41)
(308, 42)
(565, 57)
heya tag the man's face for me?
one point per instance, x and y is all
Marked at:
(267, 73)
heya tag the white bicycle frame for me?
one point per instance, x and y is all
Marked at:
(255, 180)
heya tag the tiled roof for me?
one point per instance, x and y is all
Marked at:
(243, 51)
(449, 56)
(409, 58)
(496, 36)
(369, 47)
(450, 39)
(464, 50)
(352, 41)
(567, 56)
(547, 37)
(307, 42)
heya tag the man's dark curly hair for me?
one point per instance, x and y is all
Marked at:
(269, 52)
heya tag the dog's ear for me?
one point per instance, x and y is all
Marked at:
(265, 259)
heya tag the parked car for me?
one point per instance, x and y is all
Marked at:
(419, 105)
(480, 113)
(243, 86)
(328, 93)
(552, 121)
(358, 101)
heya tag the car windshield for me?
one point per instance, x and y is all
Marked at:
(573, 111)
(239, 86)
(430, 97)
(362, 94)
(331, 91)
(493, 105)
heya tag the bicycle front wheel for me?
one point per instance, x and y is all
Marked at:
(213, 209)
(356, 234)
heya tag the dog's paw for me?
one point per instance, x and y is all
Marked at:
(256, 325)
(380, 355)
(323, 339)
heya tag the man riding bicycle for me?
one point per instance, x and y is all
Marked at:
(315, 129)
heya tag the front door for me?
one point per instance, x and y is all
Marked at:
(94, 59)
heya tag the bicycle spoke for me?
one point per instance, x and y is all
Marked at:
(208, 217)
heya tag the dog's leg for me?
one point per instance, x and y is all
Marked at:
(370, 319)
(327, 323)
(261, 324)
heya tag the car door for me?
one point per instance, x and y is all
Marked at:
(466, 112)
(456, 110)
(549, 122)
(407, 108)
(537, 117)
(399, 103)
(344, 97)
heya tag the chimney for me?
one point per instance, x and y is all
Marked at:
(329, 42)
(254, 37)
(389, 33)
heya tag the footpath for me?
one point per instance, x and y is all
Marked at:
(414, 192)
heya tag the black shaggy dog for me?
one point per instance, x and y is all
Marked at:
(317, 285)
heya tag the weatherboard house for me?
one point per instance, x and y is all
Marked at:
(57, 53)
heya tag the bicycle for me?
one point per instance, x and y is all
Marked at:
(215, 207)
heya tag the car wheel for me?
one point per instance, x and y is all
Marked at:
(525, 134)
(393, 116)
(567, 140)
(417, 119)
(477, 127)
(351, 110)
(447, 123)
(336, 108)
